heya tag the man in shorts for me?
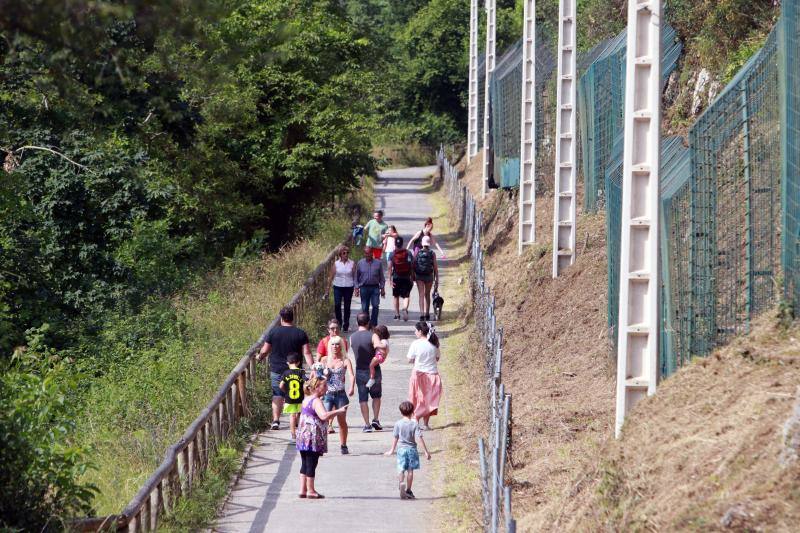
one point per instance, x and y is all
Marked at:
(374, 230)
(279, 342)
(401, 273)
(363, 351)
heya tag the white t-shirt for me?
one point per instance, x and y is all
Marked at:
(424, 354)
(390, 244)
(344, 273)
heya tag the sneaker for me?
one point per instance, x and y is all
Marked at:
(421, 318)
(275, 425)
(410, 495)
(367, 429)
(397, 317)
(292, 440)
(403, 495)
(370, 383)
(345, 451)
(377, 425)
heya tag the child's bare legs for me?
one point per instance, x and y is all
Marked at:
(409, 479)
(293, 424)
(372, 364)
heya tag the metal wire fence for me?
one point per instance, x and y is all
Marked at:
(494, 452)
(730, 212)
(506, 116)
(735, 208)
(789, 83)
(601, 98)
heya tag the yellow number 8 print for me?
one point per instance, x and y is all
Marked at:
(294, 389)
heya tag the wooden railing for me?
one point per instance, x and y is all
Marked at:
(185, 462)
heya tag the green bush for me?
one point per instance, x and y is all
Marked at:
(40, 463)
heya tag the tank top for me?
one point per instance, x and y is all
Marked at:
(344, 274)
(390, 244)
(336, 379)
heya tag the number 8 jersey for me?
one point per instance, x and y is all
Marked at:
(293, 380)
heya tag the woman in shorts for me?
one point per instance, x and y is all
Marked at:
(401, 272)
(337, 368)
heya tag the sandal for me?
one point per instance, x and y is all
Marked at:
(302, 496)
(315, 496)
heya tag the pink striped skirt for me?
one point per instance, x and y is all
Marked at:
(424, 391)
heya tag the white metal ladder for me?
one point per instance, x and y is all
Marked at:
(527, 159)
(472, 127)
(637, 346)
(491, 43)
(566, 153)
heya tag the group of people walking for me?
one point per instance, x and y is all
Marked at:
(316, 396)
(365, 279)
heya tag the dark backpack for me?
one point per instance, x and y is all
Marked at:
(424, 264)
(401, 268)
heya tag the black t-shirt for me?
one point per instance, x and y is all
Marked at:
(361, 342)
(284, 340)
(293, 380)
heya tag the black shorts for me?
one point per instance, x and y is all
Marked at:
(402, 287)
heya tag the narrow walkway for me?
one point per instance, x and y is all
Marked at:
(360, 488)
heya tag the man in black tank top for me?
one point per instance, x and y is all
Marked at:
(361, 344)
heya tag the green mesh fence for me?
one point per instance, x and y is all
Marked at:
(790, 144)
(481, 97)
(735, 205)
(675, 173)
(601, 96)
(506, 100)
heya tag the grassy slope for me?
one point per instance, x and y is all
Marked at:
(710, 437)
(142, 406)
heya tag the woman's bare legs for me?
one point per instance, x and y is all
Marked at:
(428, 289)
(303, 489)
(421, 290)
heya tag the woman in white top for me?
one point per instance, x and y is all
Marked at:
(425, 385)
(343, 277)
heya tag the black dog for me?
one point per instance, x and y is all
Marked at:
(438, 302)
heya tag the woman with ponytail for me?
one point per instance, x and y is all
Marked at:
(425, 385)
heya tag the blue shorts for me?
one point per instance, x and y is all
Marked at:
(335, 400)
(364, 394)
(407, 459)
(276, 385)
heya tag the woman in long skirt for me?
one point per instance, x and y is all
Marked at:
(425, 385)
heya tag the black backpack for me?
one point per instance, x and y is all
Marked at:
(424, 262)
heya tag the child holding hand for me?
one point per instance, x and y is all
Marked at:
(406, 431)
(380, 341)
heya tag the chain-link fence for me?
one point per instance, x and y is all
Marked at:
(601, 98)
(730, 201)
(735, 205)
(495, 451)
(506, 116)
(789, 82)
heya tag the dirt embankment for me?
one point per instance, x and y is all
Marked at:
(700, 454)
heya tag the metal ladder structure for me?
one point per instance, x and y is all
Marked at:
(637, 355)
(491, 44)
(472, 127)
(527, 160)
(564, 214)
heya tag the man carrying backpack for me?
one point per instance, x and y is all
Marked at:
(426, 273)
(402, 275)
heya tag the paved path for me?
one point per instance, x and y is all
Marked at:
(360, 488)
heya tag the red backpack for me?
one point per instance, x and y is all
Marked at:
(400, 264)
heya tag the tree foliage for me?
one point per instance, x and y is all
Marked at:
(143, 139)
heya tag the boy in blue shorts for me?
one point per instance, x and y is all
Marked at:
(292, 381)
(406, 431)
